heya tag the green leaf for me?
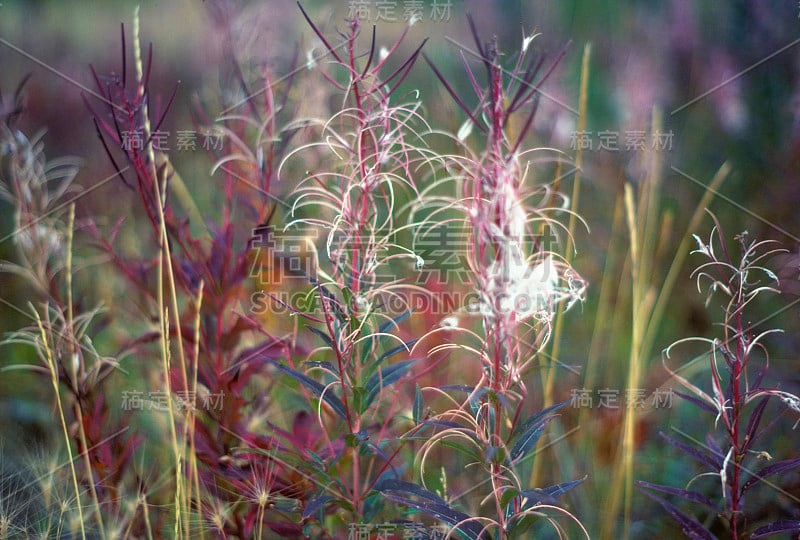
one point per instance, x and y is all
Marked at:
(508, 496)
(359, 404)
(541, 414)
(462, 449)
(369, 370)
(520, 526)
(325, 337)
(385, 327)
(386, 377)
(327, 395)
(548, 495)
(529, 439)
(417, 405)
(495, 454)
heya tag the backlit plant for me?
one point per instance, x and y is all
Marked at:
(737, 397)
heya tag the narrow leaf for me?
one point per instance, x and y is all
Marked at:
(409, 488)
(698, 402)
(457, 388)
(327, 366)
(386, 377)
(394, 323)
(417, 405)
(714, 464)
(784, 525)
(689, 495)
(474, 456)
(394, 350)
(508, 496)
(544, 412)
(314, 505)
(369, 370)
(443, 513)
(689, 525)
(755, 420)
(325, 337)
(770, 470)
(548, 494)
(329, 397)
(528, 439)
(446, 424)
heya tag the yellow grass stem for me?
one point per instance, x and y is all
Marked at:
(643, 221)
(680, 256)
(48, 355)
(146, 513)
(76, 367)
(193, 473)
(548, 372)
(166, 261)
(620, 475)
(603, 324)
(185, 197)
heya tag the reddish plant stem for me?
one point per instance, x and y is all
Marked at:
(737, 455)
(495, 176)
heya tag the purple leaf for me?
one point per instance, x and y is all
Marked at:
(698, 402)
(716, 451)
(528, 439)
(320, 35)
(325, 337)
(784, 525)
(549, 494)
(755, 420)
(443, 513)
(714, 464)
(314, 505)
(329, 397)
(692, 528)
(760, 377)
(689, 495)
(285, 529)
(409, 488)
(454, 95)
(541, 414)
(386, 377)
(769, 470)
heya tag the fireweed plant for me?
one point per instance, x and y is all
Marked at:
(732, 453)
(376, 147)
(512, 231)
(235, 473)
